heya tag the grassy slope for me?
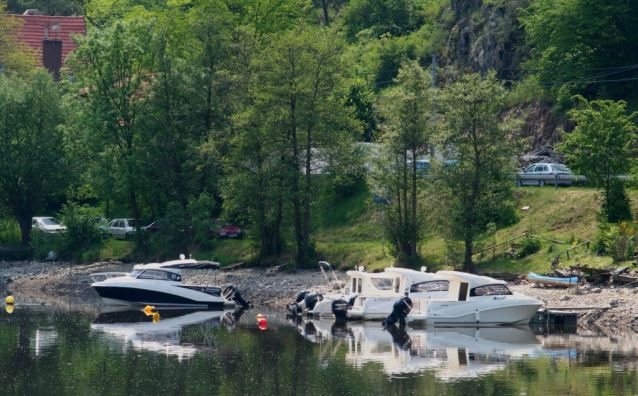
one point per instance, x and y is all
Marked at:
(348, 234)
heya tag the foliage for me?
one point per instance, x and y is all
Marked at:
(601, 148)
(32, 155)
(16, 56)
(619, 241)
(397, 173)
(83, 232)
(529, 246)
(472, 183)
(569, 38)
(46, 7)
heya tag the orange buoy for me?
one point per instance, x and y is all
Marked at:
(148, 310)
(156, 317)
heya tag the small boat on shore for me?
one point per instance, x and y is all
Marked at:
(550, 280)
(160, 285)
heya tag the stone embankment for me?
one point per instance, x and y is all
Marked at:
(268, 287)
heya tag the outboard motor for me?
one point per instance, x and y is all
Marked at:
(298, 306)
(340, 309)
(231, 293)
(400, 310)
(312, 299)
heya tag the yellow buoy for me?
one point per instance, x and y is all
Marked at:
(156, 317)
(9, 300)
(149, 309)
(9, 308)
(259, 316)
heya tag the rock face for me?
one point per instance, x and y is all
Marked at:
(486, 35)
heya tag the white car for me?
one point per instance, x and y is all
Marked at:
(544, 169)
(48, 225)
(122, 228)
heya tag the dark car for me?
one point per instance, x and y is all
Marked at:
(156, 225)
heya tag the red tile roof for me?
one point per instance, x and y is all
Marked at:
(33, 31)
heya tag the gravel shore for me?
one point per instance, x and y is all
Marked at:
(271, 287)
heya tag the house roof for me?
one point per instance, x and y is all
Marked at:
(33, 31)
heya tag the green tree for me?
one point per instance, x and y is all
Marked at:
(16, 56)
(113, 69)
(407, 129)
(567, 36)
(299, 102)
(473, 181)
(32, 155)
(601, 147)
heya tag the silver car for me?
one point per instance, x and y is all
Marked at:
(543, 169)
(122, 228)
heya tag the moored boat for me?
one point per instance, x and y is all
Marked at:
(550, 280)
(160, 285)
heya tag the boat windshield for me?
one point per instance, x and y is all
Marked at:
(134, 274)
(430, 286)
(490, 290)
(381, 283)
(159, 275)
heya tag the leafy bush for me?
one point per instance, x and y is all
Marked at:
(618, 241)
(529, 246)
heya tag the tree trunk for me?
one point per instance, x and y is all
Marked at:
(324, 6)
(25, 229)
(468, 265)
(136, 216)
(414, 201)
(276, 230)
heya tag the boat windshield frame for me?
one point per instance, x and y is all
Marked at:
(159, 275)
(495, 289)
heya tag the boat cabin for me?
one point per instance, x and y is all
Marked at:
(419, 281)
(464, 285)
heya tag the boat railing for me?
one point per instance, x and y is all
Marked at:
(102, 276)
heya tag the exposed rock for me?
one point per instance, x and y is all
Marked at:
(595, 290)
(564, 298)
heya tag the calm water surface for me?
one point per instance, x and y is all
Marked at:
(76, 347)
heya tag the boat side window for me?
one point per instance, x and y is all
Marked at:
(359, 285)
(397, 284)
(134, 274)
(490, 290)
(430, 286)
(157, 275)
(382, 283)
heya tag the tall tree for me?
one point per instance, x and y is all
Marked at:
(478, 148)
(302, 87)
(16, 56)
(408, 129)
(569, 36)
(114, 68)
(32, 156)
(601, 148)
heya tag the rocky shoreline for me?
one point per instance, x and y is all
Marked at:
(617, 306)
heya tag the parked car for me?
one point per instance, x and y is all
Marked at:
(122, 228)
(156, 225)
(228, 230)
(48, 225)
(543, 169)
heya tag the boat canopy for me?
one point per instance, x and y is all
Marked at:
(368, 275)
(184, 264)
(415, 276)
(473, 280)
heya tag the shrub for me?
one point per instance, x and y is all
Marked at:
(619, 241)
(529, 246)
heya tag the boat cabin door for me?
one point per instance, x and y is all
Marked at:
(463, 288)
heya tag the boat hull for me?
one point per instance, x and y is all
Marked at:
(497, 311)
(118, 295)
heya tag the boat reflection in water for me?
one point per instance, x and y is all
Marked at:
(453, 354)
(134, 328)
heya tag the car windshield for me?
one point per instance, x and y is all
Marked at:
(559, 168)
(382, 283)
(50, 221)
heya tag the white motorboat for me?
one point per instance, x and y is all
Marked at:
(476, 300)
(160, 284)
(378, 292)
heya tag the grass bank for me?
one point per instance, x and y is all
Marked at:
(349, 233)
